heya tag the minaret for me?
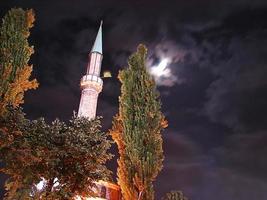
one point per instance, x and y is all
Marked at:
(91, 83)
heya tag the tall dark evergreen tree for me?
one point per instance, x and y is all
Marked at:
(15, 53)
(137, 130)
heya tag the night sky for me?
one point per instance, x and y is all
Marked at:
(215, 98)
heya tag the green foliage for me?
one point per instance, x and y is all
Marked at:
(174, 195)
(69, 157)
(15, 153)
(137, 130)
(15, 53)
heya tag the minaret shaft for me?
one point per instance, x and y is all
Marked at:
(94, 66)
(88, 103)
(91, 83)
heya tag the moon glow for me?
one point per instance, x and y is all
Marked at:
(161, 70)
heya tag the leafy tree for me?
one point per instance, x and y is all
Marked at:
(174, 195)
(15, 53)
(137, 130)
(14, 152)
(74, 154)
(69, 158)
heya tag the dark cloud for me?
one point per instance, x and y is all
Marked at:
(182, 166)
(245, 154)
(236, 97)
(237, 175)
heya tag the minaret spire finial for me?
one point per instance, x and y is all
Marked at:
(98, 41)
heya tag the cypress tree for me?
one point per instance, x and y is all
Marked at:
(15, 53)
(137, 130)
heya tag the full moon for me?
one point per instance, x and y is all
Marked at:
(161, 69)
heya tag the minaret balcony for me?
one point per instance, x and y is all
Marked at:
(92, 81)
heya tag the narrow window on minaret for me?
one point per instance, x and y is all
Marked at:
(92, 64)
(89, 64)
(97, 69)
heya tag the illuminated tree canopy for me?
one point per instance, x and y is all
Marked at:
(70, 157)
(15, 53)
(137, 130)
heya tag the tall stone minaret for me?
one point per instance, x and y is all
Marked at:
(91, 83)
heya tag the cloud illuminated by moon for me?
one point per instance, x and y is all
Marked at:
(161, 69)
(162, 73)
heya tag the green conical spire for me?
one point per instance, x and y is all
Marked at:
(98, 41)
